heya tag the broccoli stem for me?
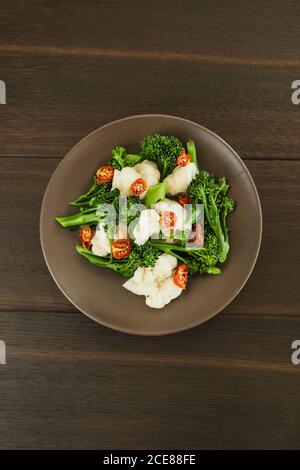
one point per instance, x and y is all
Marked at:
(173, 249)
(98, 260)
(191, 149)
(225, 233)
(164, 172)
(85, 198)
(86, 217)
(169, 246)
(169, 249)
(215, 223)
(213, 218)
(122, 267)
(204, 201)
(120, 160)
(183, 260)
(194, 252)
(211, 211)
(125, 267)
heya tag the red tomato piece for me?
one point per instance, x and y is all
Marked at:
(85, 236)
(121, 248)
(181, 276)
(183, 158)
(138, 186)
(169, 219)
(183, 199)
(105, 174)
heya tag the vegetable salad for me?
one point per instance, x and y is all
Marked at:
(155, 217)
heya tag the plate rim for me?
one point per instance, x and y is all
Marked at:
(197, 322)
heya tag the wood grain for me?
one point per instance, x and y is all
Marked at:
(70, 67)
(69, 384)
(256, 29)
(67, 80)
(26, 283)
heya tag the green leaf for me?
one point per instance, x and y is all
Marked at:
(191, 150)
(156, 193)
(132, 159)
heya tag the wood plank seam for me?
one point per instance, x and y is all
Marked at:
(146, 55)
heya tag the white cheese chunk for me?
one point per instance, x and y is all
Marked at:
(124, 178)
(100, 242)
(147, 225)
(156, 283)
(164, 266)
(179, 180)
(142, 282)
(168, 291)
(165, 206)
(149, 173)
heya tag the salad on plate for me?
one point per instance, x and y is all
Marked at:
(155, 217)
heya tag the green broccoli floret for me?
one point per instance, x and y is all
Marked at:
(120, 158)
(199, 260)
(141, 256)
(90, 215)
(125, 207)
(147, 254)
(227, 206)
(125, 267)
(205, 259)
(162, 149)
(212, 194)
(106, 196)
(96, 190)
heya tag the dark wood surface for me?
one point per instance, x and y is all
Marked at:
(70, 67)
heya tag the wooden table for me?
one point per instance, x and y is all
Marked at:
(70, 67)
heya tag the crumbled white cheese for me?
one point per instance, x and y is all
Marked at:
(100, 242)
(149, 173)
(179, 180)
(124, 178)
(167, 291)
(156, 283)
(164, 266)
(147, 225)
(165, 206)
(142, 282)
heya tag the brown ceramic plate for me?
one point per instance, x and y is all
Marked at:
(98, 292)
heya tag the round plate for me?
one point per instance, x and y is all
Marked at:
(98, 292)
